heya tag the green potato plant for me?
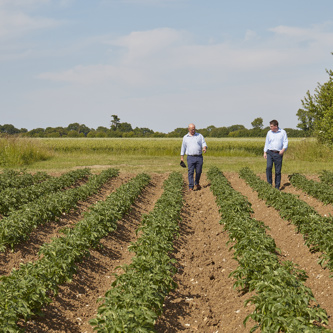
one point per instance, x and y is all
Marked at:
(282, 302)
(136, 298)
(26, 290)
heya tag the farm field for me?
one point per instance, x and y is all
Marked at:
(97, 220)
(205, 300)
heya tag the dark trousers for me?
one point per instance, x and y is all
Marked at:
(276, 159)
(194, 163)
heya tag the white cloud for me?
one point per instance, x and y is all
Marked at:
(16, 17)
(250, 35)
(17, 23)
(156, 57)
(97, 74)
(146, 2)
(143, 44)
(22, 3)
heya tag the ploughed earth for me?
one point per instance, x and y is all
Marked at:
(205, 300)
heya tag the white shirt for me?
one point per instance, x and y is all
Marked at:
(276, 140)
(192, 145)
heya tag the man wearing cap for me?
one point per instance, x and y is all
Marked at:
(275, 145)
(193, 145)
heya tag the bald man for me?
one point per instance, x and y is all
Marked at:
(193, 145)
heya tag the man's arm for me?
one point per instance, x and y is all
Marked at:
(203, 144)
(183, 150)
(285, 143)
(266, 145)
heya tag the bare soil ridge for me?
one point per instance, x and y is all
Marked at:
(205, 300)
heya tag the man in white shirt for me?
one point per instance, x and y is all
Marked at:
(275, 145)
(193, 145)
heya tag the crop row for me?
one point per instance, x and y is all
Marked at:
(17, 226)
(282, 302)
(319, 190)
(26, 290)
(12, 198)
(316, 229)
(326, 177)
(136, 298)
(18, 179)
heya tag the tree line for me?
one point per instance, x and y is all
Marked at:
(120, 129)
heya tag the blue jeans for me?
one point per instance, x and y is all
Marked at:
(276, 159)
(194, 163)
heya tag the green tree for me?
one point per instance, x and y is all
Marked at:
(317, 114)
(115, 122)
(178, 132)
(234, 128)
(36, 132)
(219, 132)
(125, 127)
(74, 127)
(258, 123)
(9, 129)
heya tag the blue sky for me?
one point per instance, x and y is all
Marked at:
(160, 64)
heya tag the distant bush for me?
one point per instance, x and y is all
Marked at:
(310, 150)
(15, 152)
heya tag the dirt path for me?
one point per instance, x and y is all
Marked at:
(205, 300)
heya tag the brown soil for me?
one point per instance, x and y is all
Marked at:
(205, 300)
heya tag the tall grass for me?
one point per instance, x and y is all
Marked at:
(157, 154)
(299, 149)
(151, 146)
(17, 152)
(310, 150)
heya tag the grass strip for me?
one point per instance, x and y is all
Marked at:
(282, 302)
(136, 298)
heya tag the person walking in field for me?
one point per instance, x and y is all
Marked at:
(275, 145)
(193, 145)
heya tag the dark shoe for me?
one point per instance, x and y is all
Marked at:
(197, 187)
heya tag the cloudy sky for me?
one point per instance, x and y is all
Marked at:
(160, 64)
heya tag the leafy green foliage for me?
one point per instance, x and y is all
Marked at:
(282, 302)
(17, 179)
(317, 113)
(137, 296)
(11, 199)
(326, 177)
(321, 191)
(316, 230)
(26, 290)
(18, 225)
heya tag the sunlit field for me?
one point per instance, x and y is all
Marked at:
(159, 154)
